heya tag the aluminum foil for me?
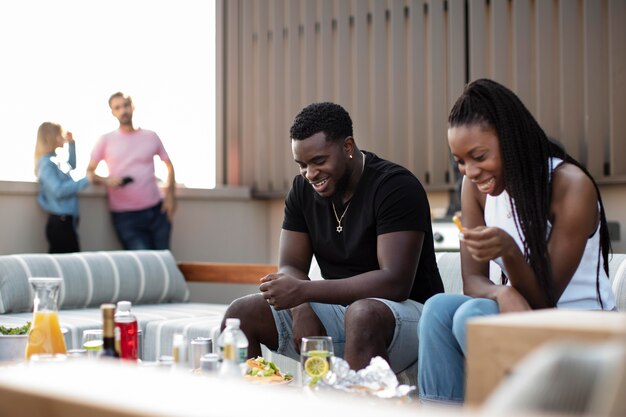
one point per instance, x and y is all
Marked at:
(376, 379)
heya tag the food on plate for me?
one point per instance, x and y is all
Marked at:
(262, 370)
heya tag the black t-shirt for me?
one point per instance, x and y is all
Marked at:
(388, 198)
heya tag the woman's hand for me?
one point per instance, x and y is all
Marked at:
(487, 243)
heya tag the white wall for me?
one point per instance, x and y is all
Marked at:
(209, 225)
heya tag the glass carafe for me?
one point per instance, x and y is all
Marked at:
(45, 333)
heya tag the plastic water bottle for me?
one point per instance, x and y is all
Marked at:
(179, 351)
(126, 331)
(230, 368)
(240, 340)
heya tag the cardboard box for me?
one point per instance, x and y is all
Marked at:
(496, 343)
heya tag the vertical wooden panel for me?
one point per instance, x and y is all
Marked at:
(572, 116)
(379, 100)
(456, 51)
(437, 94)
(596, 85)
(547, 85)
(501, 39)
(361, 94)
(220, 91)
(397, 136)
(343, 60)
(261, 76)
(278, 134)
(247, 86)
(308, 55)
(231, 101)
(293, 101)
(457, 76)
(478, 41)
(325, 52)
(523, 57)
(417, 132)
(617, 86)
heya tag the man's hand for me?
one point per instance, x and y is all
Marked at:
(169, 204)
(305, 323)
(282, 291)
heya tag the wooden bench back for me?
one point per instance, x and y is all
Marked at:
(225, 272)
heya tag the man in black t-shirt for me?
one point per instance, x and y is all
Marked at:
(367, 222)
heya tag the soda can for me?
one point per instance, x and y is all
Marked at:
(199, 347)
(209, 363)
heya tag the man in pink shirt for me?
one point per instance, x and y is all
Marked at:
(141, 212)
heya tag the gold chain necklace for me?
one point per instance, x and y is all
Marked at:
(339, 219)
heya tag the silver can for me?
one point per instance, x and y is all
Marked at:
(199, 347)
(209, 363)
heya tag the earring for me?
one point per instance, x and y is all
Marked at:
(350, 156)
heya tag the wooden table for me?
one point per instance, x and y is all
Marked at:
(496, 343)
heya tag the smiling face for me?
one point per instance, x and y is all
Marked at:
(476, 150)
(323, 163)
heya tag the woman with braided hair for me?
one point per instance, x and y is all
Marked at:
(527, 206)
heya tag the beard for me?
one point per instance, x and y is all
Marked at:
(125, 119)
(340, 190)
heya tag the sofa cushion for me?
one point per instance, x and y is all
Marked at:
(93, 278)
(449, 265)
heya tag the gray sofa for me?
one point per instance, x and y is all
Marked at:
(155, 285)
(151, 280)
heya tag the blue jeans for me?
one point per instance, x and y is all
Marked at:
(442, 331)
(143, 229)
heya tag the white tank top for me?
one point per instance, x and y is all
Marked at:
(581, 291)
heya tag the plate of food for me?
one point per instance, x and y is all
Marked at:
(261, 370)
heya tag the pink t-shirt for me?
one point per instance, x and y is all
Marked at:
(132, 155)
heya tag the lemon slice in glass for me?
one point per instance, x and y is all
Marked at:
(93, 345)
(316, 366)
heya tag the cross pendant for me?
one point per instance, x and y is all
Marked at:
(339, 229)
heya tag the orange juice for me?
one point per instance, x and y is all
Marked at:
(45, 334)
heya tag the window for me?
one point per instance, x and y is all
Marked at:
(62, 59)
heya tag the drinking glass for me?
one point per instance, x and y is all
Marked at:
(315, 354)
(92, 342)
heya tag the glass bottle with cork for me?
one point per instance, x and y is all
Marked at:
(108, 331)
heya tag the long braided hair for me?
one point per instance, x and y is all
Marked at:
(525, 151)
